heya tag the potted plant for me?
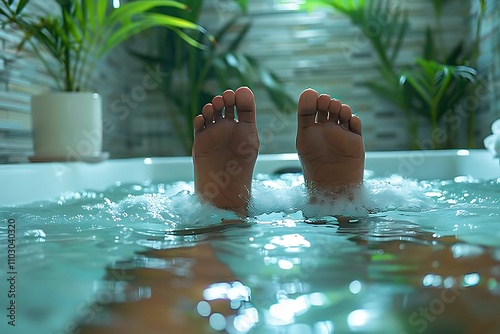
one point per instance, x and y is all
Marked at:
(69, 38)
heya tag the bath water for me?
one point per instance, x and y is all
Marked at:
(303, 270)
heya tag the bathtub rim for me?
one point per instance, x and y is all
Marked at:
(54, 179)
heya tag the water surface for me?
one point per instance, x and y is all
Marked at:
(409, 257)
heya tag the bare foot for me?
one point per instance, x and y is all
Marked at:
(329, 143)
(225, 149)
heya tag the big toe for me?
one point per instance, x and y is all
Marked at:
(307, 108)
(245, 105)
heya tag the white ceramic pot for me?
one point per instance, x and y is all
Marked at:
(67, 126)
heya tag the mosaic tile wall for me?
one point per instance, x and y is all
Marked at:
(319, 50)
(489, 67)
(19, 79)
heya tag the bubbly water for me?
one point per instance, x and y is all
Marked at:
(65, 244)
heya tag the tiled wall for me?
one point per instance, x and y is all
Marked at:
(20, 77)
(319, 50)
(489, 67)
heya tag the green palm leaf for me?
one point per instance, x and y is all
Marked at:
(138, 7)
(102, 8)
(20, 5)
(86, 30)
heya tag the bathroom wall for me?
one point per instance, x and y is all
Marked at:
(488, 97)
(21, 75)
(319, 50)
(19, 78)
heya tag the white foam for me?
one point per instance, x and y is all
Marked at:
(288, 194)
(165, 207)
(178, 207)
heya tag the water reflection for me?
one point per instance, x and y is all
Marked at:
(374, 275)
(358, 318)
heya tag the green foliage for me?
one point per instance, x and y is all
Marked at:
(438, 86)
(368, 15)
(195, 74)
(442, 79)
(436, 82)
(85, 30)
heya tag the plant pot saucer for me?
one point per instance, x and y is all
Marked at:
(89, 158)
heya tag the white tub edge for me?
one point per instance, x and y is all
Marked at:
(25, 183)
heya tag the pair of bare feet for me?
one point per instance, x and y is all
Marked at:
(226, 145)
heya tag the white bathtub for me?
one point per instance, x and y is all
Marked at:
(25, 183)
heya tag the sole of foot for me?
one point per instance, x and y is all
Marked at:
(225, 148)
(329, 143)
